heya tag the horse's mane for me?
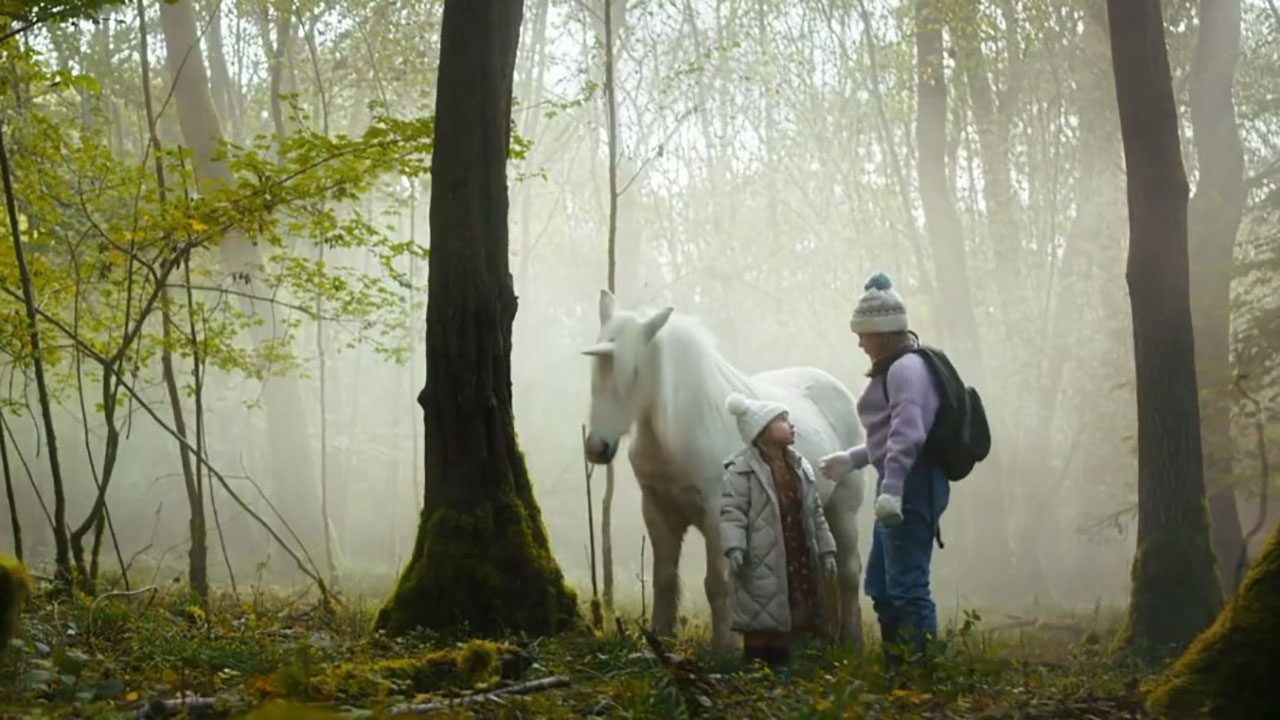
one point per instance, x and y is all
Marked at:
(693, 379)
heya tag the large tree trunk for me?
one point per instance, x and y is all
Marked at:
(1214, 221)
(1175, 593)
(293, 477)
(482, 557)
(1231, 669)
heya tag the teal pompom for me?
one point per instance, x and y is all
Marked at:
(879, 281)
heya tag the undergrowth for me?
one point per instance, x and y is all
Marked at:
(281, 657)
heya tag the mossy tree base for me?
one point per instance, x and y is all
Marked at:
(1175, 593)
(481, 570)
(14, 588)
(1231, 670)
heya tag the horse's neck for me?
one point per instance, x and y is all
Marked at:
(691, 382)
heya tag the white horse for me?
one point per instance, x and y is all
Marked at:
(662, 375)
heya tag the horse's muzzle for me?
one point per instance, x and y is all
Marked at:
(600, 452)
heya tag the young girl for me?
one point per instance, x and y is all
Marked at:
(774, 534)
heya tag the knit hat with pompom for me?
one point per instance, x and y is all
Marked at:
(753, 416)
(880, 309)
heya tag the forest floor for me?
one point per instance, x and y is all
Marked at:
(273, 656)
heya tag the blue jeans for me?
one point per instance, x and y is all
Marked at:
(898, 567)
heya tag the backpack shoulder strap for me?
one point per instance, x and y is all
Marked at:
(950, 385)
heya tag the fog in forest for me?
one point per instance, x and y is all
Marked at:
(767, 162)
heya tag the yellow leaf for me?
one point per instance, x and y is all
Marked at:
(197, 226)
(131, 696)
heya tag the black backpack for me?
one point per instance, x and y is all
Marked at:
(960, 437)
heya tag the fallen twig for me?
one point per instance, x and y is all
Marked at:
(118, 593)
(521, 689)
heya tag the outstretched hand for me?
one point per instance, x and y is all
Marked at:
(836, 465)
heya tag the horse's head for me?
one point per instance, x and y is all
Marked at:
(618, 395)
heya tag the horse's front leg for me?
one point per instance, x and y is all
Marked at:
(841, 511)
(666, 534)
(717, 584)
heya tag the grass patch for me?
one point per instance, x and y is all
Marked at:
(277, 656)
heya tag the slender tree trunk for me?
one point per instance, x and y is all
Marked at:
(942, 223)
(8, 492)
(331, 566)
(1175, 592)
(224, 91)
(1214, 220)
(611, 110)
(62, 545)
(993, 144)
(482, 556)
(197, 553)
(293, 477)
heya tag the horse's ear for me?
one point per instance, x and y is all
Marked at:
(655, 322)
(606, 306)
(603, 349)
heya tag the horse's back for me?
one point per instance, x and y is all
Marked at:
(808, 390)
(823, 410)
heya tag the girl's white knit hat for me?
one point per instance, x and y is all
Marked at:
(752, 415)
(880, 309)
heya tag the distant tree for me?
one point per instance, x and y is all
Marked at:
(1213, 222)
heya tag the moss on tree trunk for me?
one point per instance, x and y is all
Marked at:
(14, 587)
(482, 560)
(1231, 670)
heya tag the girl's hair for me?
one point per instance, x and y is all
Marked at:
(901, 342)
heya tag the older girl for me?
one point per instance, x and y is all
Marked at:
(897, 408)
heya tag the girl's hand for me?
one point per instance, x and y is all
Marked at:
(736, 561)
(829, 564)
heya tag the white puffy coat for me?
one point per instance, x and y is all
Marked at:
(751, 521)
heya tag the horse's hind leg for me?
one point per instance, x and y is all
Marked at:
(841, 510)
(666, 529)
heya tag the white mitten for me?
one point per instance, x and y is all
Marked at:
(836, 465)
(735, 561)
(889, 509)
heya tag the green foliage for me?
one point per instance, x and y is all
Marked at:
(34, 12)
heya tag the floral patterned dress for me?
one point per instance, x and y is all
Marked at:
(801, 589)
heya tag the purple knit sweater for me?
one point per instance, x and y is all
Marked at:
(896, 430)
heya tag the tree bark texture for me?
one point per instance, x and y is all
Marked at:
(1214, 221)
(1174, 592)
(482, 559)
